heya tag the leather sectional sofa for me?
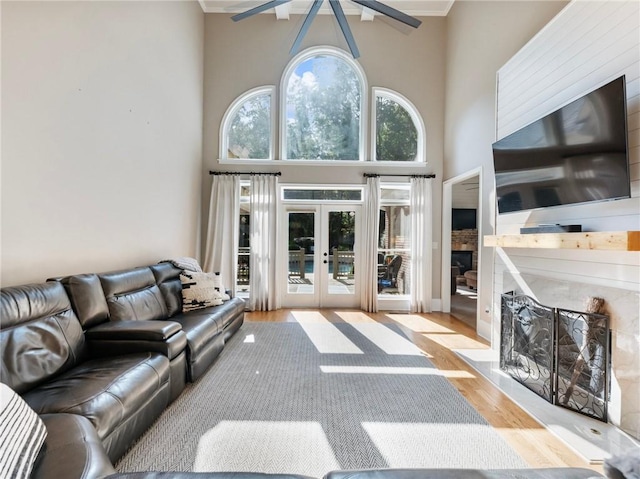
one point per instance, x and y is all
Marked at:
(100, 356)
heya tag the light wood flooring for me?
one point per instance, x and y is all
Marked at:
(437, 335)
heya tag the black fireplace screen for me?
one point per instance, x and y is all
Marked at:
(561, 355)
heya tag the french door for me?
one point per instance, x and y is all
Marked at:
(322, 265)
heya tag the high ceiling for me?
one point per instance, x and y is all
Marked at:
(416, 8)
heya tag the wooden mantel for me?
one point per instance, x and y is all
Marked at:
(596, 240)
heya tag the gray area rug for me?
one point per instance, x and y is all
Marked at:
(273, 403)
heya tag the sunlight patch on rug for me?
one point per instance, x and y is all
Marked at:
(265, 446)
(323, 334)
(437, 445)
(387, 340)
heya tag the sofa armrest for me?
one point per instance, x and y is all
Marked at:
(127, 337)
(134, 330)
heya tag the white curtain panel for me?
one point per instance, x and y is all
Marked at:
(263, 284)
(222, 230)
(421, 241)
(371, 225)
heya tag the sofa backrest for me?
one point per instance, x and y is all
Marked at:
(133, 294)
(168, 280)
(40, 335)
(87, 299)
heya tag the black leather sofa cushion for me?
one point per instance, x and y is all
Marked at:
(87, 299)
(204, 338)
(168, 280)
(199, 325)
(40, 336)
(548, 473)
(133, 294)
(72, 450)
(107, 391)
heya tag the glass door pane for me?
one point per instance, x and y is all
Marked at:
(341, 241)
(394, 250)
(340, 229)
(301, 243)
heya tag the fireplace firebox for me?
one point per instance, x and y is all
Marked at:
(463, 260)
(561, 355)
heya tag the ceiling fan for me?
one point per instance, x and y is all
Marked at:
(374, 5)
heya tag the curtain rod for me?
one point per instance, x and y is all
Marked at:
(252, 173)
(375, 175)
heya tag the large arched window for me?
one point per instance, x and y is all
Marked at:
(248, 126)
(397, 128)
(322, 107)
(323, 111)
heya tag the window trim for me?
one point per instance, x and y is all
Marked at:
(324, 186)
(284, 80)
(413, 113)
(233, 109)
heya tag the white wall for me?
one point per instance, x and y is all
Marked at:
(481, 37)
(101, 135)
(587, 45)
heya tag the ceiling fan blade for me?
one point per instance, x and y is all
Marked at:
(258, 9)
(344, 26)
(305, 26)
(390, 12)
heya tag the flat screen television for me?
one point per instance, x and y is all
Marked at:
(463, 219)
(576, 154)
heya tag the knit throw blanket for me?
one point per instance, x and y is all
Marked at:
(185, 263)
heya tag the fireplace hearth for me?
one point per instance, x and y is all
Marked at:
(561, 355)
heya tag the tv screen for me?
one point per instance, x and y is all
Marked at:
(463, 219)
(576, 154)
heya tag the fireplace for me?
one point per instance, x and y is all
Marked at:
(463, 260)
(561, 355)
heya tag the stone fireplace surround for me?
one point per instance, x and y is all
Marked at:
(466, 240)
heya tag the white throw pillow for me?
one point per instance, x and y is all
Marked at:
(198, 291)
(22, 434)
(217, 280)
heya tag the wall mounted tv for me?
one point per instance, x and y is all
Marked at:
(576, 154)
(463, 219)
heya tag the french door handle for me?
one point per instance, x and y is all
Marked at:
(325, 261)
(325, 254)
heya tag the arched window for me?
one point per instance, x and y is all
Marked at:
(323, 106)
(248, 126)
(398, 130)
(323, 111)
